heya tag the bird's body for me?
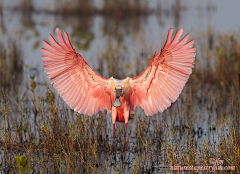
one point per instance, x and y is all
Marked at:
(121, 113)
(87, 92)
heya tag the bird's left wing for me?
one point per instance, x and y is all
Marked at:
(84, 90)
(163, 80)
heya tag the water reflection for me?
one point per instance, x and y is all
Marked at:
(3, 29)
(82, 34)
(26, 11)
(177, 8)
(75, 7)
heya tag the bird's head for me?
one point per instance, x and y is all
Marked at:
(118, 90)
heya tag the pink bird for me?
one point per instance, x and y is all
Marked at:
(87, 92)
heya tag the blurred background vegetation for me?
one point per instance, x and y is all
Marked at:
(39, 133)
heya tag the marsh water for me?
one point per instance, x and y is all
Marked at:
(120, 46)
(31, 23)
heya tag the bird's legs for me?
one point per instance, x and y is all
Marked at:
(126, 118)
(113, 132)
(125, 132)
(113, 136)
(114, 117)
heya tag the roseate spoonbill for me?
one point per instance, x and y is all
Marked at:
(87, 92)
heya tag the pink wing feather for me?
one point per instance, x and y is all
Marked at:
(84, 90)
(163, 80)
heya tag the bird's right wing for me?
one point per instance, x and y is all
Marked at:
(83, 90)
(163, 80)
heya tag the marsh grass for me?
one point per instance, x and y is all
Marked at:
(11, 66)
(125, 8)
(116, 8)
(42, 129)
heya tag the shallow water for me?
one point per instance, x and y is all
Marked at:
(30, 28)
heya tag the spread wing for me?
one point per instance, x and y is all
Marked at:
(163, 80)
(82, 89)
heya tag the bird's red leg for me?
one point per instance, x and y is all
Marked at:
(126, 118)
(114, 117)
(113, 133)
(125, 132)
(113, 136)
